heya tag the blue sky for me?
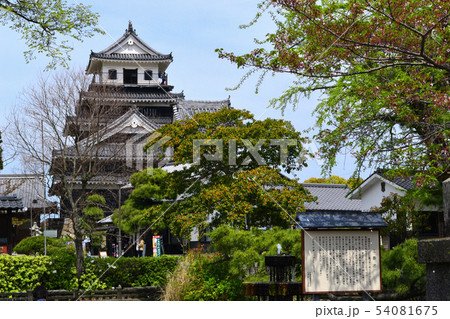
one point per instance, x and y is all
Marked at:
(191, 30)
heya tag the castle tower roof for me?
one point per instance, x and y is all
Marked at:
(128, 48)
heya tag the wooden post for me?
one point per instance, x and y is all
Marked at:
(119, 293)
(446, 197)
(75, 294)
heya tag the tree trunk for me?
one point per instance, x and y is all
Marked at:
(78, 246)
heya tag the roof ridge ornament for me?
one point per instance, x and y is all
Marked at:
(130, 27)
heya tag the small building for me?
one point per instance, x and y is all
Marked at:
(377, 187)
(11, 210)
(26, 191)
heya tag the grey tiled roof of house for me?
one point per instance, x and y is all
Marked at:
(331, 197)
(28, 188)
(188, 108)
(402, 182)
(10, 203)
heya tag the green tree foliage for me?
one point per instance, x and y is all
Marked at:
(383, 69)
(232, 190)
(333, 179)
(400, 269)
(147, 197)
(245, 249)
(93, 212)
(48, 26)
(404, 216)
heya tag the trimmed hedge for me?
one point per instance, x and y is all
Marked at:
(21, 273)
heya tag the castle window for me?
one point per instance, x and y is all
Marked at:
(148, 75)
(130, 76)
(112, 74)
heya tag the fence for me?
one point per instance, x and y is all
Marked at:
(132, 293)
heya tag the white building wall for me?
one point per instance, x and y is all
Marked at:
(373, 195)
(119, 68)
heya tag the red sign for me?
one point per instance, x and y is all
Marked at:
(3, 250)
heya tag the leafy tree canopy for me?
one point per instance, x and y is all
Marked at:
(333, 179)
(404, 216)
(93, 212)
(242, 189)
(383, 67)
(47, 26)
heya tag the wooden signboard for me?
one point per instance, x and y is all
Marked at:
(341, 261)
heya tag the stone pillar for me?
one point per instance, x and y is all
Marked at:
(446, 196)
(436, 254)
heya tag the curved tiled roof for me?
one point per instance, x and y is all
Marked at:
(10, 203)
(132, 57)
(139, 95)
(148, 53)
(27, 187)
(188, 108)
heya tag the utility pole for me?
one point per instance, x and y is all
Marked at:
(43, 184)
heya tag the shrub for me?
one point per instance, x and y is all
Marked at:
(400, 269)
(35, 245)
(21, 273)
(202, 276)
(131, 272)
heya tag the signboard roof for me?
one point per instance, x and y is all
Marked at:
(336, 219)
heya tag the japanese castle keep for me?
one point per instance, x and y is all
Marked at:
(135, 86)
(136, 92)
